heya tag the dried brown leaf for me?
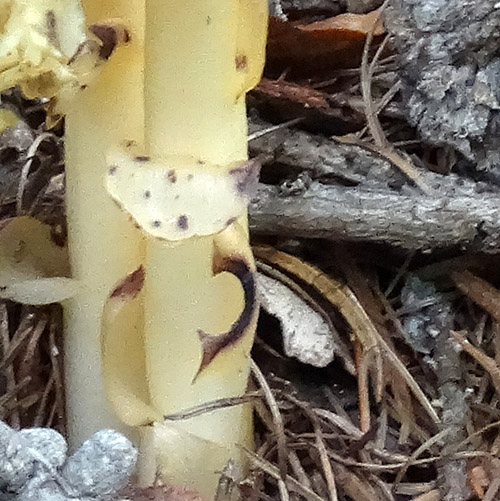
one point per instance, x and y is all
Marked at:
(285, 100)
(334, 42)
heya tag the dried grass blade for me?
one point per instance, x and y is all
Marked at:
(487, 363)
(292, 483)
(362, 366)
(416, 453)
(277, 418)
(433, 495)
(480, 291)
(298, 469)
(354, 486)
(10, 376)
(400, 368)
(325, 460)
(366, 84)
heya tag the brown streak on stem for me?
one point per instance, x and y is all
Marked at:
(110, 36)
(131, 285)
(213, 345)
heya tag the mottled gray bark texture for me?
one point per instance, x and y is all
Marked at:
(458, 215)
(362, 6)
(329, 7)
(427, 330)
(450, 68)
(297, 152)
(325, 7)
(347, 192)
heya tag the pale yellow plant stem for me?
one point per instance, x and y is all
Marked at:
(104, 245)
(194, 106)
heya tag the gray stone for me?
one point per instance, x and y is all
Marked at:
(101, 466)
(33, 466)
(49, 491)
(47, 443)
(16, 464)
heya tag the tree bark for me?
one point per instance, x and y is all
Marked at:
(456, 216)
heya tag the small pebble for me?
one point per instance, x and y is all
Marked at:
(34, 467)
(101, 466)
(47, 443)
(16, 464)
(50, 491)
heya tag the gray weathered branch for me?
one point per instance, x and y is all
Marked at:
(458, 215)
(321, 157)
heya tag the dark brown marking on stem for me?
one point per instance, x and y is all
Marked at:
(241, 62)
(156, 223)
(172, 176)
(142, 158)
(131, 285)
(147, 194)
(110, 36)
(213, 345)
(112, 170)
(246, 178)
(183, 222)
(230, 221)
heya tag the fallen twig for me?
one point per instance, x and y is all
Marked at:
(455, 218)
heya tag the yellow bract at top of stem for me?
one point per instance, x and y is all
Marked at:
(46, 51)
(38, 38)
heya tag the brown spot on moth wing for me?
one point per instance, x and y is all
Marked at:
(172, 176)
(238, 262)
